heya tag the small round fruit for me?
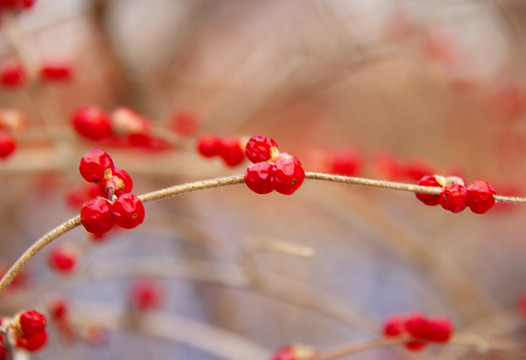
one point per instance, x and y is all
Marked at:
(454, 198)
(97, 216)
(480, 197)
(260, 148)
(128, 211)
(286, 175)
(32, 322)
(95, 164)
(428, 199)
(256, 177)
(92, 123)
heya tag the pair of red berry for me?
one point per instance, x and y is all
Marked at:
(230, 149)
(272, 170)
(30, 330)
(120, 206)
(455, 196)
(13, 74)
(421, 329)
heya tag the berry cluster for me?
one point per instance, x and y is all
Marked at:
(455, 196)
(13, 74)
(271, 169)
(30, 330)
(123, 127)
(230, 149)
(295, 352)
(119, 206)
(420, 329)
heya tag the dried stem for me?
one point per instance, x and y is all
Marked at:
(213, 183)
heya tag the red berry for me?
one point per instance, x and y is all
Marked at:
(7, 144)
(417, 326)
(96, 216)
(95, 165)
(92, 123)
(345, 162)
(62, 259)
(286, 175)
(32, 343)
(415, 345)
(55, 71)
(261, 148)
(208, 145)
(296, 352)
(428, 199)
(256, 177)
(454, 198)
(12, 74)
(439, 330)
(394, 326)
(32, 322)
(231, 151)
(128, 211)
(120, 183)
(480, 197)
(145, 295)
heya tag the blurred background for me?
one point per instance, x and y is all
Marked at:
(407, 88)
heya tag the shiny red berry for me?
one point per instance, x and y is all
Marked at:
(96, 216)
(120, 183)
(480, 197)
(428, 199)
(260, 148)
(256, 177)
(7, 144)
(62, 259)
(208, 145)
(439, 330)
(92, 123)
(286, 175)
(32, 343)
(32, 322)
(128, 211)
(454, 198)
(231, 151)
(394, 326)
(95, 165)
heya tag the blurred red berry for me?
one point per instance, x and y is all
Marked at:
(31, 322)
(439, 330)
(56, 71)
(91, 123)
(394, 326)
(184, 122)
(12, 74)
(32, 343)
(347, 162)
(208, 145)
(231, 151)
(7, 144)
(145, 295)
(62, 260)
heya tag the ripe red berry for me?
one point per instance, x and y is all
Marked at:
(128, 211)
(454, 198)
(208, 145)
(32, 343)
(31, 322)
(394, 326)
(62, 259)
(428, 199)
(480, 197)
(345, 162)
(296, 352)
(7, 144)
(261, 148)
(95, 165)
(96, 216)
(12, 74)
(120, 183)
(256, 177)
(231, 151)
(286, 175)
(92, 123)
(439, 330)
(417, 326)
(55, 71)
(145, 295)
